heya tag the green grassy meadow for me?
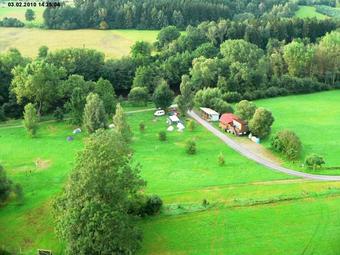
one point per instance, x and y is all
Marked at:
(252, 210)
(19, 13)
(309, 12)
(315, 118)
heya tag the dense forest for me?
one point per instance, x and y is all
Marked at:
(155, 14)
(231, 60)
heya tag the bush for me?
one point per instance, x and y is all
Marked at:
(141, 126)
(221, 106)
(6, 185)
(288, 143)
(162, 136)
(205, 202)
(232, 97)
(145, 205)
(11, 22)
(220, 159)
(153, 205)
(275, 91)
(191, 125)
(139, 96)
(103, 25)
(58, 114)
(314, 161)
(301, 85)
(4, 252)
(191, 147)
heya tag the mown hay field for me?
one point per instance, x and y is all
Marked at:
(114, 43)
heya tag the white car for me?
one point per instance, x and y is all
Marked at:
(159, 113)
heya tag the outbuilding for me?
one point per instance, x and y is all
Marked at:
(209, 114)
(233, 124)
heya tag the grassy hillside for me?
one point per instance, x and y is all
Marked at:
(114, 43)
(309, 12)
(19, 13)
(315, 118)
(294, 214)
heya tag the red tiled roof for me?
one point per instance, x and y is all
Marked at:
(227, 118)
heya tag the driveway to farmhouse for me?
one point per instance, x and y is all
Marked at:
(260, 160)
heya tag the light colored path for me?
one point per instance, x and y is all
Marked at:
(249, 154)
(50, 121)
(142, 110)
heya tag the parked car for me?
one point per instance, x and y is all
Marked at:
(159, 113)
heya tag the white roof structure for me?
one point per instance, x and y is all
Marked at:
(173, 106)
(180, 126)
(209, 111)
(174, 118)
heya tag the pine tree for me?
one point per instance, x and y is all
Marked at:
(31, 119)
(94, 113)
(121, 125)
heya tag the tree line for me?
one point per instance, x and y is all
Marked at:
(227, 60)
(156, 14)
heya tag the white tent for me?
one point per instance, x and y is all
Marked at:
(76, 131)
(180, 126)
(170, 128)
(174, 119)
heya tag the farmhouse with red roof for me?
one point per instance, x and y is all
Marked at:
(233, 124)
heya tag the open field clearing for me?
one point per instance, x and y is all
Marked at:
(315, 118)
(301, 227)
(294, 214)
(19, 13)
(309, 12)
(114, 43)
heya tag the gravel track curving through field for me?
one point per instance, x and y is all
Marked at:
(250, 155)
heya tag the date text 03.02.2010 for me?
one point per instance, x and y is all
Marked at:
(50, 4)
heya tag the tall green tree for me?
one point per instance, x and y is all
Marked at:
(260, 124)
(31, 119)
(76, 106)
(185, 100)
(299, 58)
(94, 113)
(147, 76)
(163, 95)
(141, 49)
(245, 110)
(38, 83)
(242, 52)
(29, 15)
(121, 125)
(92, 212)
(107, 94)
(167, 35)
(327, 58)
